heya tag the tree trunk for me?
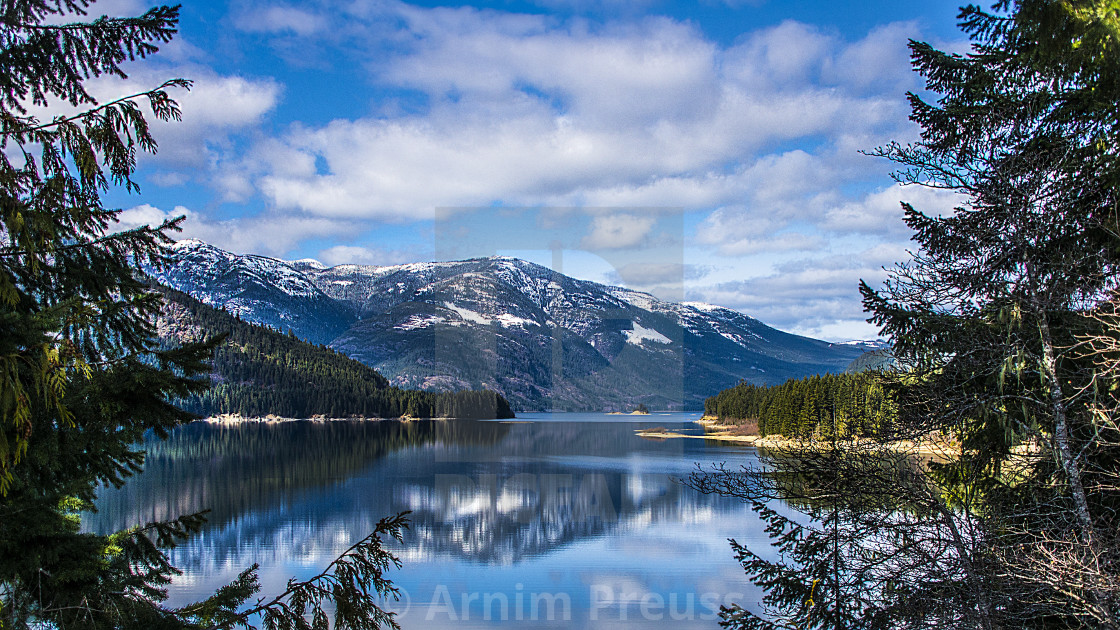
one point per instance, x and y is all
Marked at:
(1068, 463)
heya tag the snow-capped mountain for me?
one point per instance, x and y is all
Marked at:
(257, 289)
(542, 339)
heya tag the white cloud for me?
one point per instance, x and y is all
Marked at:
(666, 280)
(145, 214)
(281, 19)
(787, 56)
(270, 233)
(355, 255)
(875, 62)
(522, 110)
(817, 296)
(526, 110)
(764, 242)
(213, 110)
(166, 178)
(880, 212)
(618, 231)
(233, 185)
(216, 107)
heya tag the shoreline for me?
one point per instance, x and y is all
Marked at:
(232, 418)
(713, 430)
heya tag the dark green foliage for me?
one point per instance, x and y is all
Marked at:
(989, 316)
(872, 543)
(992, 326)
(258, 371)
(69, 298)
(833, 405)
(82, 375)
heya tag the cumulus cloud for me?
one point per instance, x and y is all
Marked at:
(656, 273)
(880, 212)
(281, 19)
(873, 63)
(214, 111)
(145, 214)
(795, 201)
(667, 280)
(356, 255)
(216, 107)
(531, 110)
(269, 233)
(814, 296)
(618, 231)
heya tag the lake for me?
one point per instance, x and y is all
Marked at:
(551, 521)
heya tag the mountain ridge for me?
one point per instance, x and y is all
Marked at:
(542, 339)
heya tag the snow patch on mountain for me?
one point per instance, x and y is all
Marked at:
(309, 263)
(507, 320)
(703, 306)
(641, 333)
(416, 322)
(468, 315)
(634, 298)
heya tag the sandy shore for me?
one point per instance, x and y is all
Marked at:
(724, 433)
(751, 440)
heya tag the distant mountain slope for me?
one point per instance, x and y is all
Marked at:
(258, 371)
(881, 359)
(542, 339)
(257, 289)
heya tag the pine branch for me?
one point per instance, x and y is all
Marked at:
(355, 576)
(153, 94)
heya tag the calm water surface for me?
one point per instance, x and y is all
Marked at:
(552, 521)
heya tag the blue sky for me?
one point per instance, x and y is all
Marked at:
(703, 151)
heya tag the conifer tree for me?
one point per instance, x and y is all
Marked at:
(82, 375)
(990, 322)
(988, 315)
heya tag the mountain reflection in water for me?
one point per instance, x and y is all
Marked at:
(583, 512)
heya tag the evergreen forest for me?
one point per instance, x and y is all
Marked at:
(823, 407)
(258, 371)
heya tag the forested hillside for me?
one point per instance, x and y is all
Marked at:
(258, 371)
(843, 405)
